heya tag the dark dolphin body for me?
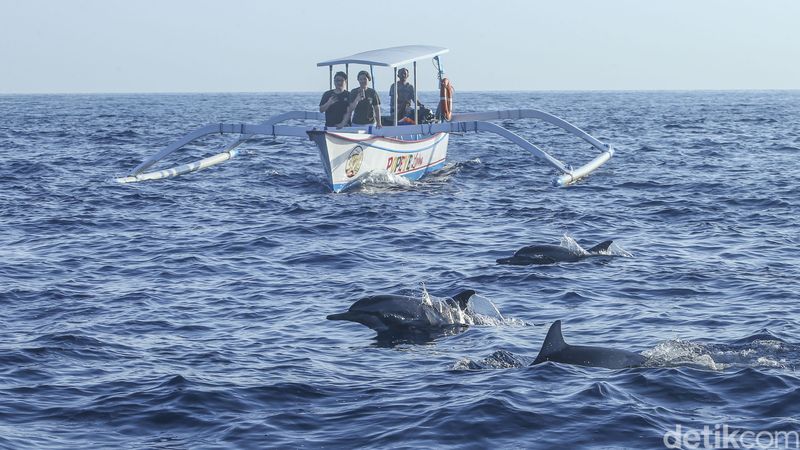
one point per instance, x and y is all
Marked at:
(551, 254)
(556, 350)
(403, 315)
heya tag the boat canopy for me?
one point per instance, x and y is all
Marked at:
(389, 57)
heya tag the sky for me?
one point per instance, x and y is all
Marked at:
(114, 46)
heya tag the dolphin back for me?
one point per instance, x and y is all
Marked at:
(557, 350)
(541, 254)
(400, 305)
(545, 251)
(608, 357)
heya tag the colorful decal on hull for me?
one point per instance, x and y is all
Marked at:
(353, 164)
(404, 163)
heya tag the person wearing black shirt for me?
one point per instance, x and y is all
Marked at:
(365, 103)
(335, 103)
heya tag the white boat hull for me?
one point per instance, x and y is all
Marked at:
(347, 157)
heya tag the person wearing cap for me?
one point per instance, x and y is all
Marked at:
(334, 103)
(405, 92)
(365, 105)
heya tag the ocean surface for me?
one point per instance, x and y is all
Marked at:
(190, 313)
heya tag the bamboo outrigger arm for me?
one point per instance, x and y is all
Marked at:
(226, 154)
(569, 175)
(463, 122)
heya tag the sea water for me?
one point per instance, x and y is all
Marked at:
(190, 312)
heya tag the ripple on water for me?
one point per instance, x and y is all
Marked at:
(191, 312)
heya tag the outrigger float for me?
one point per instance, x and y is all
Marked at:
(412, 151)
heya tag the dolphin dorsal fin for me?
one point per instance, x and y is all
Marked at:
(462, 298)
(554, 340)
(601, 247)
(553, 343)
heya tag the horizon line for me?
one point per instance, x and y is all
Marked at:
(426, 91)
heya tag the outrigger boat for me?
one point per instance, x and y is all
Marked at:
(411, 151)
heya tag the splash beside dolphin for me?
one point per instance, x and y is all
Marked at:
(556, 349)
(551, 254)
(400, 314)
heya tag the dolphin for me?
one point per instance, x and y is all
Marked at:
(551, 254)
(556, 350)
(400, 314)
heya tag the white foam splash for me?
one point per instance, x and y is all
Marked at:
(571, 244)
(614, 249)
(681, 353)
(500, 359)
(479, 311)
(426, 297)
(379, 180)
(760, 353)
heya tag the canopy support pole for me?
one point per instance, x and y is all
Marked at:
(416, 102)
(394, 98)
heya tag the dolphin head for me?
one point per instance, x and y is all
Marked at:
(367, 319)
(379, 312)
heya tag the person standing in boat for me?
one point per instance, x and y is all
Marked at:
(365, 103)
(405, 92)
(335, 103)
